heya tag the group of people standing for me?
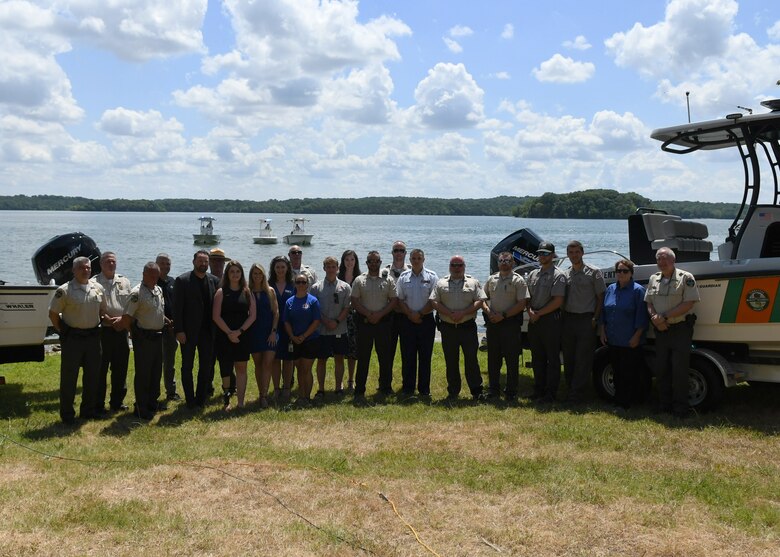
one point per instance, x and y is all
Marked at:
(287, 319)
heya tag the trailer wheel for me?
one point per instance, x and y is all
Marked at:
(705, 384)
(603, 378)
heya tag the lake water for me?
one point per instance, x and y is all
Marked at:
(139, 237)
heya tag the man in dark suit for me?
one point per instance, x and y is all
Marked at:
(194, 327)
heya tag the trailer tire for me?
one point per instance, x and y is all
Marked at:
(705, 384)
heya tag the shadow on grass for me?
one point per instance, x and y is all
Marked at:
(123, 425)
(15, 402)
(53, 430)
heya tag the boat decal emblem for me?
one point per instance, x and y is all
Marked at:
(757, 300)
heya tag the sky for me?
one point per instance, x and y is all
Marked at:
(280, 99)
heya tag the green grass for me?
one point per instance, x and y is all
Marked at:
(526, 479)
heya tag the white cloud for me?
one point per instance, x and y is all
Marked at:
(619, 132)
(774, 31)
(508, 32)
(694, 49)
(294, 61)
(121, 121)
(453, 46)
(562, 69)
(502, 75)
(461, 31)
(579, 43)
(449, 98)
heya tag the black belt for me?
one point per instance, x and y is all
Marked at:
(456, 325)
(83, 332)
(583, 314)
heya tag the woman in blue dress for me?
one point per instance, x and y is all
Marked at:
(624, 319)
(263, 332)
(282, 284)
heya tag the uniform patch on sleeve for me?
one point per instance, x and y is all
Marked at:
(58, 294)
(690, 282)
(134, 298)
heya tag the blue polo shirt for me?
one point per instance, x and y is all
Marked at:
(624, 312)
(302, 312)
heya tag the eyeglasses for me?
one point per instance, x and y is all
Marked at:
(301, 282)
(295, 252)
(399, 250)
(622, 271)
(504, 260)
(457, 264)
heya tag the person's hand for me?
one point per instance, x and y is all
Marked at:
(181, 338)
(233, 336)
(603, 337)
(272, 339)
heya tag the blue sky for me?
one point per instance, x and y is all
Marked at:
(280, 99)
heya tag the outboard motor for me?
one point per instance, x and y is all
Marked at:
(53, 261)
(522, 244)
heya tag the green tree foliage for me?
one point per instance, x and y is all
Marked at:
(610, 204)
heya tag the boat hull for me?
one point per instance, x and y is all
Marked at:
(24, 319)
(266, 240)
(205, 239)
(298, 239)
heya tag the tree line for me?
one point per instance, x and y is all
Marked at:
(589, 204)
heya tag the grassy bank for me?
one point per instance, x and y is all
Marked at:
(468, 480)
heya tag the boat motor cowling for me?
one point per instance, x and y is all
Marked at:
(53, 261)
(522, 244)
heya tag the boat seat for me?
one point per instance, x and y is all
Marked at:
(654, 224)
(771, 247)
(680, 235)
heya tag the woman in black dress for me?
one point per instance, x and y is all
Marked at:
(233, 312)
(349, 270)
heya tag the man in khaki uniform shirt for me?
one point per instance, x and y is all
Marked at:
(113, 335)
(456, 298)
(373, 297)
(145, 316)
(506, 292)
(75, 312)
(671, 295)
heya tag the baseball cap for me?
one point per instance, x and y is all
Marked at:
(545, 248)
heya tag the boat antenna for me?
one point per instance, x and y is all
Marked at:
(748, 110)
(688, 103)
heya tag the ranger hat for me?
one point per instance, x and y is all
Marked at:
(217, 253)
(545, 248)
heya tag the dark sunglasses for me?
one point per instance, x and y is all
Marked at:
(399, 250)
(504, 260)
(622, 271)
(301, 282)
(294, 252)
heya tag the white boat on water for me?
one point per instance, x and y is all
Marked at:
(206, 236)
(266, 235)
(298, 235)
(736, 335)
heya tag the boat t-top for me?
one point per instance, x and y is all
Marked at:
(206, 236)
(266, 235)
(298, 234)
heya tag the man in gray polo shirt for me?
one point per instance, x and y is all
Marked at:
(333, 295)
(584, 296)
(546, 292)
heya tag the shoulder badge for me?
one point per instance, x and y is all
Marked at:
(58, 294)
(690, 282)
(134, 298)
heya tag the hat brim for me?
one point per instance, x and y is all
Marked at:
(543, 252)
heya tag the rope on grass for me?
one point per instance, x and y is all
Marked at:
(411, 528)
(275, 497)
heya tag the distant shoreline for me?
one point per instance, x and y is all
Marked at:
(590, 204)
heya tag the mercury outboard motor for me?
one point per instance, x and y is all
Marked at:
(53, 261)
(522, 244)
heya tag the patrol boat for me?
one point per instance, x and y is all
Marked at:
(298, 235)
(266, 235)
(737, 332)
(206, 236)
